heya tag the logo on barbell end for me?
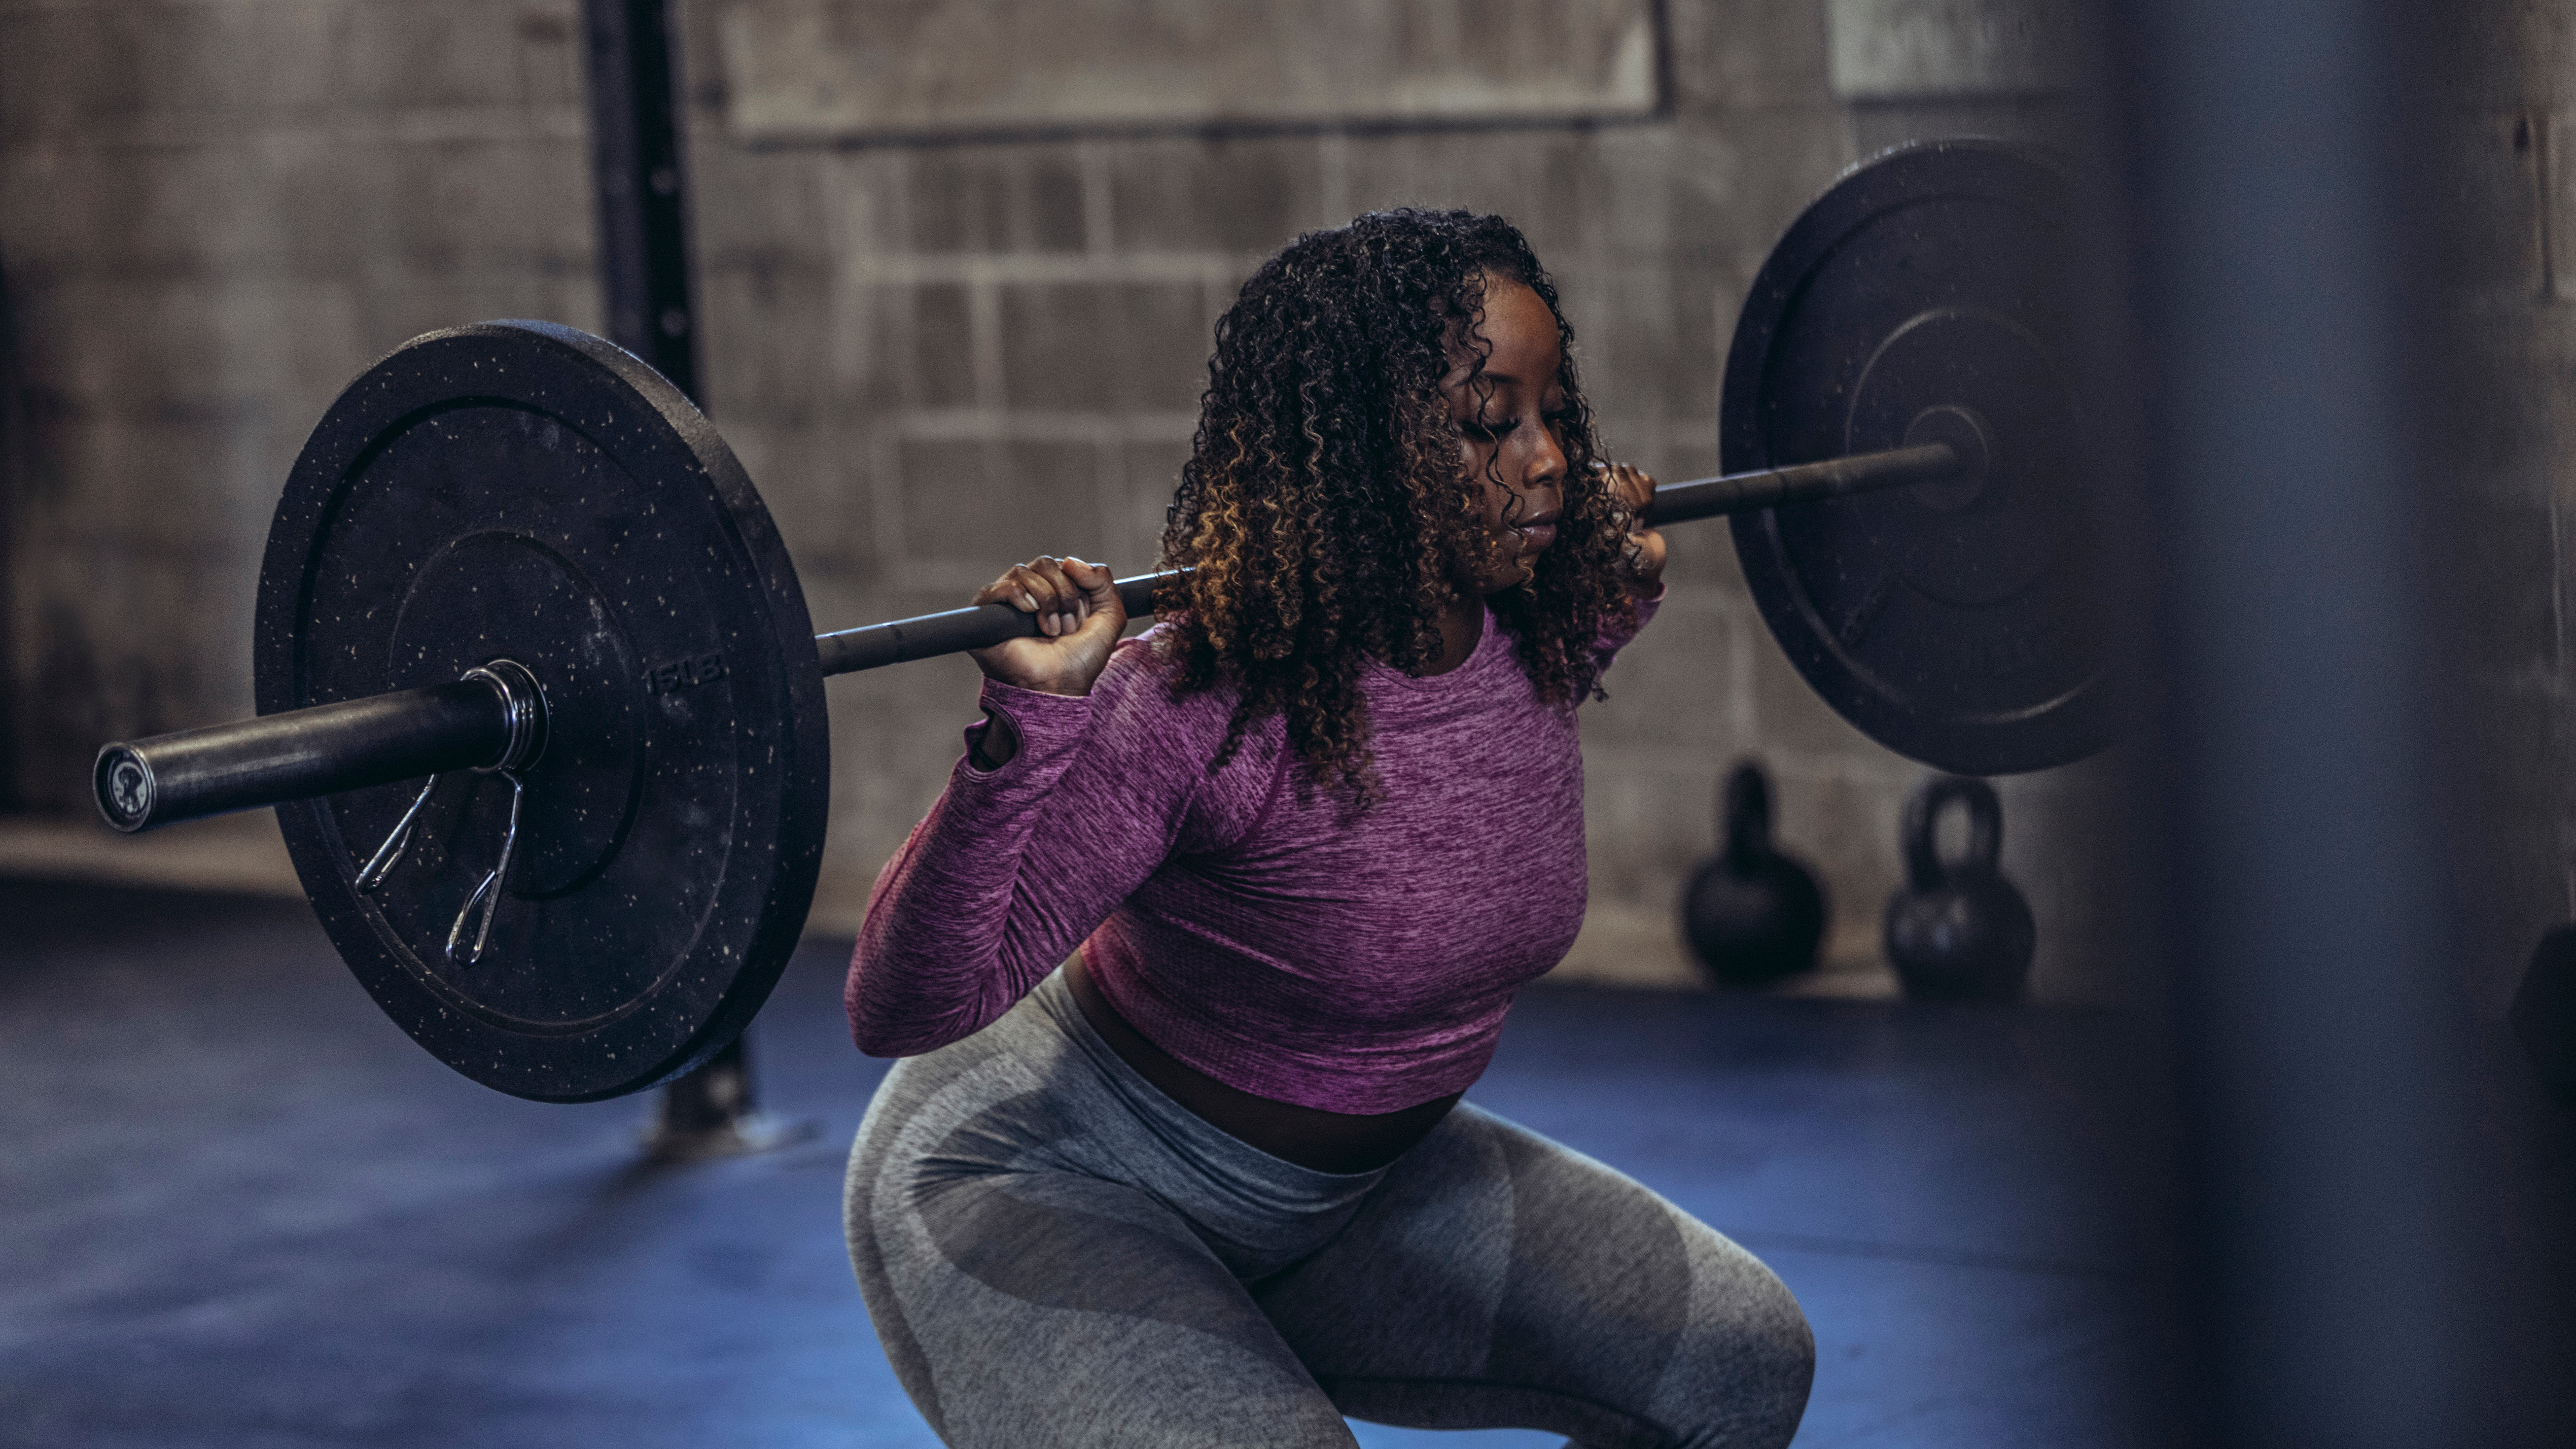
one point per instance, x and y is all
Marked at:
(681, 673)
(129, 786)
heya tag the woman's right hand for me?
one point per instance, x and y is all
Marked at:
(1079, 621)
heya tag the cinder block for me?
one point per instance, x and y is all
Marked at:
(947, 490)
(1244, 195)
(1059, 342)
(126, 351)
(2502, 421)
(985, 506)
(812, 476)
(460, 52)
(269, 59)
(390, 311)
(68, 72)
(1701, 555)
(1651, 353)
(957, 200)
(758, 208)
(2512, 629)
(1646, 825)
(1053, 215)
(928, 336)
(1631, 225)
(995, 199)
(864, 214)
(551, 61)
(2033, 120)
(2492, 50)
(2492, 220)
(1790, 719)
(114, 480)
(1741, 54)
(1054, 494)
(2558, 196)
(122, 642)
(1543, 181)
(1738, 180)
(897, 733)
(1056, 342)
(103, 70)
(1680, 688)
(765, 344)
(1845, 827)
(867, 330)
(478, 207)
(1153, 477)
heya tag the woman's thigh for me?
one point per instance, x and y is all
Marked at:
(1024, 1303)
(1496, 1279)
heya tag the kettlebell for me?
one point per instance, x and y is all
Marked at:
(1958, 931)
(1752, 915)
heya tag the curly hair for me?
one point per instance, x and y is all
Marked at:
(1326, 508)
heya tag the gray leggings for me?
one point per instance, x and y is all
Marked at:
(1055, 1253)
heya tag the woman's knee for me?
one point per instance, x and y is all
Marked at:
(1751, 1360)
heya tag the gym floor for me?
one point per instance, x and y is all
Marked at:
(241, 1209)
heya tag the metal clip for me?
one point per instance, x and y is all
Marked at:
(523, 711)
(381, 864)
(488, 894)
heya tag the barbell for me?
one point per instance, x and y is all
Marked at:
(513, 564)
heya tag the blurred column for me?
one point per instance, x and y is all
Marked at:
(2338, 1224)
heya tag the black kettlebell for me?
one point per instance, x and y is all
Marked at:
(1958, 931)
(1752, 914)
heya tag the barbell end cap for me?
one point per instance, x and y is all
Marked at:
(123, 786)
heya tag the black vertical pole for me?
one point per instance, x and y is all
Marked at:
(643, 202)
(15, 451)
(644, 278)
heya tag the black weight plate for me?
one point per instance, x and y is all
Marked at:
(525, 491)
(1954, 625)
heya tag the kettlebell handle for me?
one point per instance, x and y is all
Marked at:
(1923, 868)
(1744, 814)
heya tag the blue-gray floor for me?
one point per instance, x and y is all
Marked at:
(240, 1209)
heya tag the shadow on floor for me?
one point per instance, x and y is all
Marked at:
(242, 1209)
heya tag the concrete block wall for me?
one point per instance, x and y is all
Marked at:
(2501, 429)
(213, 213)
(934, 358)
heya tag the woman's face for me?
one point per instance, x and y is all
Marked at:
(1509, 419)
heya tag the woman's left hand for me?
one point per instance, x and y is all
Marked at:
(1635, 488)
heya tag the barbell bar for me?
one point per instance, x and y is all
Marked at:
(480, 723)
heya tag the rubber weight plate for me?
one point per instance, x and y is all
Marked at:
(521, 490)
(1951, 622)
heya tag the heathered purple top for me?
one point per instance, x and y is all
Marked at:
(1252, 925)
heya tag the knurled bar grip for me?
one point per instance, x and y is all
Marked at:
(300, 753)
(1801, 483)
(985, 625)
(980, 627)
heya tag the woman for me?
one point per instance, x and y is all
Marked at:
(1211, 1183)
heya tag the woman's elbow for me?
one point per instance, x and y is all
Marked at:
(898, 1038)
(883, 1025)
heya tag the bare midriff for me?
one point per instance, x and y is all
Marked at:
(1308, 1136)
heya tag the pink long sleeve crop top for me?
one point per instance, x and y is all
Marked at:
(1253, 926)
